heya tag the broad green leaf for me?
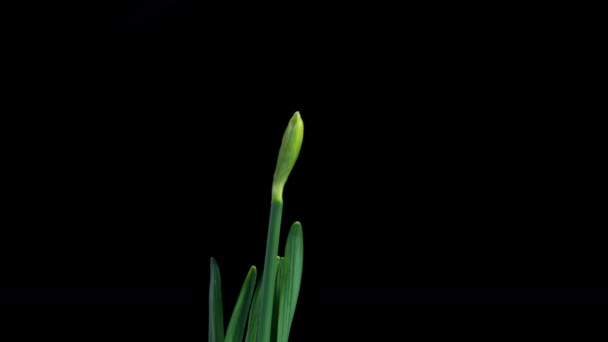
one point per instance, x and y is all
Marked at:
(236, 327)
(216, 313)
(290, 282)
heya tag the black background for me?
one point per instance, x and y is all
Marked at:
(439, 170)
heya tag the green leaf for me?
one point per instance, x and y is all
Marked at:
(290, 282)
(216, 313)
(254, 314)
(277, 298)
(236, 327)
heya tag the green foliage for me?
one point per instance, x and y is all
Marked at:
(266, 309)
(216, 313)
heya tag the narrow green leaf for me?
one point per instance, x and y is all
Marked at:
(216, 313)
(292, 265)
(277, 297)
(236, 327)
(254, 314)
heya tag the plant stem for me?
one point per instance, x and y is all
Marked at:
(270, 271)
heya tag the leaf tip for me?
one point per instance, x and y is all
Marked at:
(297, 226)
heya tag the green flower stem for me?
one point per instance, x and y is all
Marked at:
(270, 271)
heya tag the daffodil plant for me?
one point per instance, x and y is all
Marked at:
(266, 309)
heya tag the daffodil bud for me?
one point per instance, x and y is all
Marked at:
(288, 154)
